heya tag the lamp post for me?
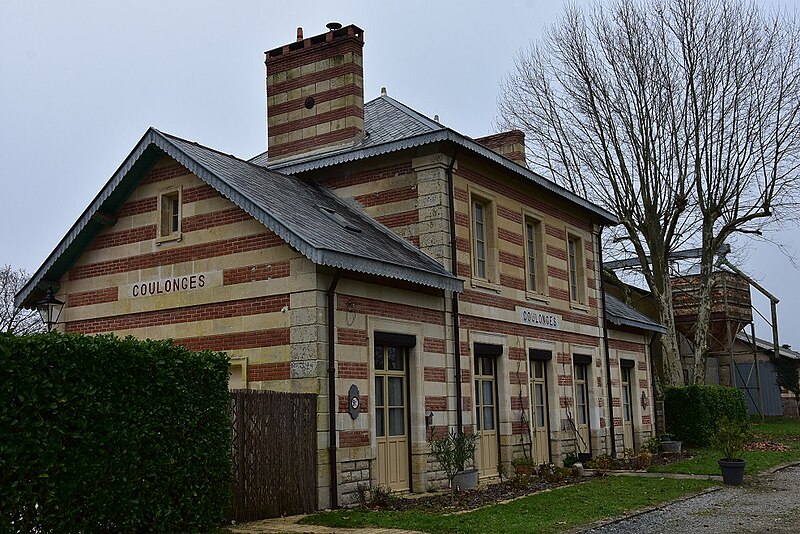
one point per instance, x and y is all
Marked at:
(49, 309)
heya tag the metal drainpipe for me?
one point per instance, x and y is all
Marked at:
(454, 270)
(332, 404)
(605, 346)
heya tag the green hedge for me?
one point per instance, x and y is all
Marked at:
(693, 412)
(101, 434)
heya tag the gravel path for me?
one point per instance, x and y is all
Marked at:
(770, 503)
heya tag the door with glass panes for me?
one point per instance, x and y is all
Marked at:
(627, 408)
(538, 398)
(581, 415)
(486, 415)
(391, 416)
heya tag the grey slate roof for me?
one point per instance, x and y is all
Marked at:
(391, 126)
(619, 313)
(293, 208)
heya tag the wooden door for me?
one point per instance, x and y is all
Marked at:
(627, 408)
(539, 426)
(391, 416)
(582, 407)
(486, 415)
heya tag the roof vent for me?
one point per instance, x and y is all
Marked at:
(333, 26)
(383, 91)
(299, 33)
(338, 219)
(436, 118)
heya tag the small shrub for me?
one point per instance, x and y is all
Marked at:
(730, 438)
(652, 445)
(643, 460)
(570, 459)
(693, 412)
(603, 462)
(382, 496)
(454, 452)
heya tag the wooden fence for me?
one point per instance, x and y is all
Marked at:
(274, 454)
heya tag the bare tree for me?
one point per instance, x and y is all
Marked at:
(13, 319)
(679, 116)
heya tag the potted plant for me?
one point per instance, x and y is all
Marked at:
(523, 466)
(729, 440)
(454, 452)
(670, 445)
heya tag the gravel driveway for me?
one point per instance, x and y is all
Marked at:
(770, 503)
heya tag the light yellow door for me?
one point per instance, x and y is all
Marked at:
(538, 394)
(627, 408)
(582, 407)
(391, 416)
(486, 415)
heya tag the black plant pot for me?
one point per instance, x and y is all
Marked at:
(584, 457)
(732, 471)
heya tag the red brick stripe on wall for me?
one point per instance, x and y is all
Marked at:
(166, 172)
(513, 216)
(357, 370)
(380, 198)
(353, 337)
(135, 207)
(353, 438)
(557, 252)
(435, 403)
(176, 255)
(399, 219)
(188, 314)
(514, 329)
(123, 237)
(198, 193)
(344, 404)
(626, 345)
(319, 98)
(516, 353)
(388, 309)
(432, 344)
(268, 371)
(313, 77)
(317, 140)
(216, 218)
(274, 337)
(87, 298)
(512, 237)
(253, 273)
(367, 176)
(435, 374)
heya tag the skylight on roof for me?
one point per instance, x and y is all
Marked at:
(338, 219)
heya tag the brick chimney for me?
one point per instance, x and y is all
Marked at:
(510, 144)
(315, 92)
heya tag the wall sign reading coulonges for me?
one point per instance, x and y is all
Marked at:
(172, 284)
(540, 319)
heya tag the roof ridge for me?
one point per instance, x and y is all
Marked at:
(409, 111)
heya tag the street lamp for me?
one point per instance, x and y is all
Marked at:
(49, 309)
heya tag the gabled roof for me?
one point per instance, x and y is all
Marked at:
(391, 126)
(321, 226)
(619, 313)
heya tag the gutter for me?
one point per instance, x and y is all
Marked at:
(454, 270)
(332, 404)
(605, 346)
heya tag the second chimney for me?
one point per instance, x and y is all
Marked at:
(315, 93)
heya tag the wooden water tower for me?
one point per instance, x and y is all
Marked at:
(731, 308)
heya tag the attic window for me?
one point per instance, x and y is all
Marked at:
(169, 223)
(338, 219)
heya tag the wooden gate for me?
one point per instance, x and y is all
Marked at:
(274, 454)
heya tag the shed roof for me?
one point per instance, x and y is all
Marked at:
(321, 226)
(619, 313)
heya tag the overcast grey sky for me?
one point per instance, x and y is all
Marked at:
(81, 81)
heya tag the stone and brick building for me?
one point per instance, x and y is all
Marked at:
(436, 273)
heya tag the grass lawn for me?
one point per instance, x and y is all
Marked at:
(777, 429)
(549, 511)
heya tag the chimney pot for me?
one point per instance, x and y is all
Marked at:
(299, 33)
(383, 91)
